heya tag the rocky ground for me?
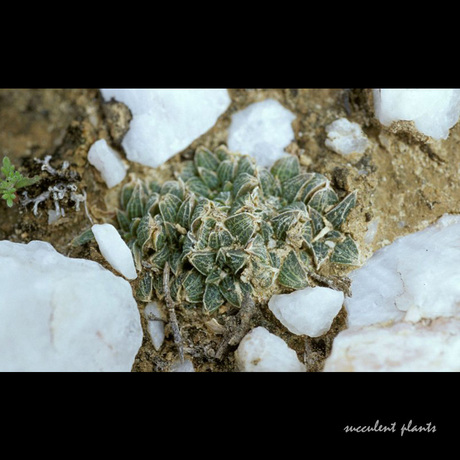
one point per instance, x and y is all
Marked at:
(405, 182)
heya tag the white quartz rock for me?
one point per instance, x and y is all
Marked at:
(262, 351)
(155, 325)
(262, 130)
(307, 311)
(186, 366)
(61, 314)
(433, 111)
(415, 277)
(346, 137)
(404, 314)
(115, 250)
(108, 162)
(403, 346)
(166, 121)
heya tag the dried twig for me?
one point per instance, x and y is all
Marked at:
(239, 326)
(152, 317)
(172, 313)
(338, 283)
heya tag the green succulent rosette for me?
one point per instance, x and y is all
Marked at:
(228, 227)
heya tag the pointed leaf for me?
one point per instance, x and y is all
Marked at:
(346, 253)
(209, 178)
(203, 261)
(246, 165)
(316, 182)
(144, 230)
(123, 221)
(286, 167)
(174, 187)
(193, 285)
(257, 248)
(291, 187)
(283, 222)
(231, 290)
(268, 183)
(197, 186)
(241, 226)
(185, 211)
(204, 158)
(320, 252)
(226, 171)
(292, 274)
(169, 205)
(236, 259)
(145, 288)
(323, 199)
(212, 298)
(337, 215)
(244, 183)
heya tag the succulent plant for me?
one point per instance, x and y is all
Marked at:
(227, 227)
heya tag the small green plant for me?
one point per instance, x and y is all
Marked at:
(13, 181)
(228, 227)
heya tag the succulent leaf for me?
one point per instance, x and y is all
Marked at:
(346, 252)
(212, 298)
(203, 261)
(286, 168)
(231, 290)
(123, 221)
(135, 205)
(337, 215)
(241, 226)
(204, 158)
(145, 288)
(292, 274)
(323, 199)
(193, 284)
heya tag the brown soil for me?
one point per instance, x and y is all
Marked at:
(405, 182)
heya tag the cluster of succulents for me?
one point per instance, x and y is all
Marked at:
(227, 227)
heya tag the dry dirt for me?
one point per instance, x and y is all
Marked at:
(405, 182)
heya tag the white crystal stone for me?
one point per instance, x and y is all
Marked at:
(115, 250)
(155, 327)
(404, 314)
(262, 130)
(166, 121)
(346, 137)
(307, 311)
(433, 111)
(62, 314)
(108, 162)
(403, 346)
(415, 276)
(186, 366)
(262, 351)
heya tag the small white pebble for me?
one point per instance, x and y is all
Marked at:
(108, 162)
(53, 216)
(307, 311)
(262, 351)
(346, 137)
(115, 250)
(262, 130)
(186, 366)
(371, 230)
(155, 327)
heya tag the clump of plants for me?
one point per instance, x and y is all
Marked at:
(227, 228)
(12, 181)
